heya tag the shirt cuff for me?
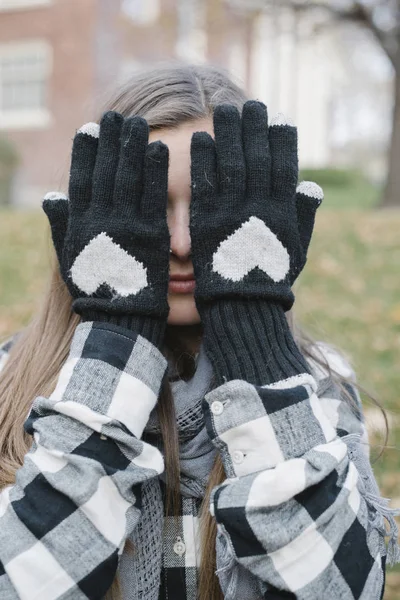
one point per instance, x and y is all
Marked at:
(258, 427)
(111, 374)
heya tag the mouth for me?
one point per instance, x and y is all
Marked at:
(182, 284)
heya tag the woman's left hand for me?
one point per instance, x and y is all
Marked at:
(250, 231)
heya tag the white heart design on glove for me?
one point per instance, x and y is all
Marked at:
(252, 245)
(104, 261)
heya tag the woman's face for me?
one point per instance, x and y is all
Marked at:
(180, 293)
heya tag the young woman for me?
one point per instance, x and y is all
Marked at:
(164, 431)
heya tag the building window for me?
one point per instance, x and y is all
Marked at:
(21, 4)
(24, 74)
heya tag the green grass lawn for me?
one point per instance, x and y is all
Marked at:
(349, 294)
(344, 189)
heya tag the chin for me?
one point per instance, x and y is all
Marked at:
(182, 310)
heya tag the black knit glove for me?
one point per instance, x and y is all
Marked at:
(112, 237)
(250, 234)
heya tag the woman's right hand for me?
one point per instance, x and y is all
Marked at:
(111, 236)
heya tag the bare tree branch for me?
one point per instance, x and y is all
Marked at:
(302, 5)
(357, 13)
(366, 17)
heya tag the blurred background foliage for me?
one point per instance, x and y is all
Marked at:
(9, 160)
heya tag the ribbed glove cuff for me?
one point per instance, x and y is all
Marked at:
(250, 340)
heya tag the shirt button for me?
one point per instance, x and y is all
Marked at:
(179, 547)
(237, 456)
(217, 407)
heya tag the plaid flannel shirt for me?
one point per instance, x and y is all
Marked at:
(291, 511)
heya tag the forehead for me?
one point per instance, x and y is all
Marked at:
(176, 137)
(178, 140)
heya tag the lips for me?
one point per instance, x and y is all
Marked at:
(181, 283)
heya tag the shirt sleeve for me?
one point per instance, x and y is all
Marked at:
(77, 496)
(296, 509)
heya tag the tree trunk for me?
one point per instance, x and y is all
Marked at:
(391, 197)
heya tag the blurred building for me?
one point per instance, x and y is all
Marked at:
(52, 62)
(60, 60)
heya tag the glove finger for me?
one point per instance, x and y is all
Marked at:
(129, 177)
(284, 161)
(56, 207)
(256, 149)
(231, 167)
(154, 200)
(203, 174)
(84, 151)
(107, 161)
(309, 196)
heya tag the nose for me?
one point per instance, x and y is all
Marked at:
(178, 223)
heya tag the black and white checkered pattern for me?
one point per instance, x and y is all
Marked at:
(64, 523)
(290, 511)
(181, 551)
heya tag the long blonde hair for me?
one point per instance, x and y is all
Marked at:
(165, 96)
